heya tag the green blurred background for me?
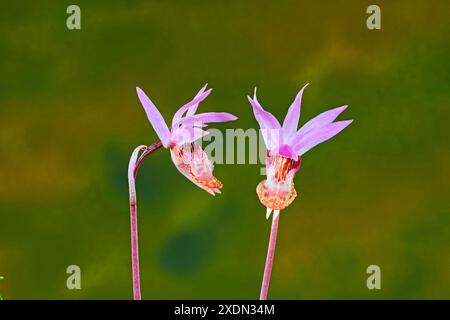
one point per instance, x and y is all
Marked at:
(376, 194)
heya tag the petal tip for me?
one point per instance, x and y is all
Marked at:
(345, 122)
(342, 108)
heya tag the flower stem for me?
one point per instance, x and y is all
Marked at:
(270, 255)
(133, 168)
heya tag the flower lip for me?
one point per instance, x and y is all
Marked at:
(277, 191)
(275, 200)
(282, 168)
(194, 164)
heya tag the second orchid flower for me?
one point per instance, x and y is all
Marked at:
(285, 146)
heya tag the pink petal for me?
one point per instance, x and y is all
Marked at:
(208, 117)
(321, 120)
(265, 119)
(313, 137)
(273, 138)
(184, 135)
(191, 111)
(290, 123)
(198, 98)
(270, 127)
(155, 117)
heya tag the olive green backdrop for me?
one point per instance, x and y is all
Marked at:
(376, 194)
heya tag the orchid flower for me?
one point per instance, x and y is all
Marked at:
(188, 157)
(286, 144)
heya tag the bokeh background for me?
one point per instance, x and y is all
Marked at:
(376, 194)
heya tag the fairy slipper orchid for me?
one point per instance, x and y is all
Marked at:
(286, 144)
(188, 157)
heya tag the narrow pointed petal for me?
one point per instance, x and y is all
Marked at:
(268, 212)
(155, 117)
(208, 117)
(321, 120)
(199, 98)
(192, 110)
(265, 119)
(270, 127)
(314, 137)
(290, 123)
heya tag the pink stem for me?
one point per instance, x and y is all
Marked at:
(133, 168)
(269, 259)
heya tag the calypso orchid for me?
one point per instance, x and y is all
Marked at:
(286, 144)
(188, 157)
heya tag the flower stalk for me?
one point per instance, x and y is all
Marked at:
(133, 168)
(270, 256)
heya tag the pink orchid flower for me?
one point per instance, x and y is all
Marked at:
(188, 156)
(285, 146)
